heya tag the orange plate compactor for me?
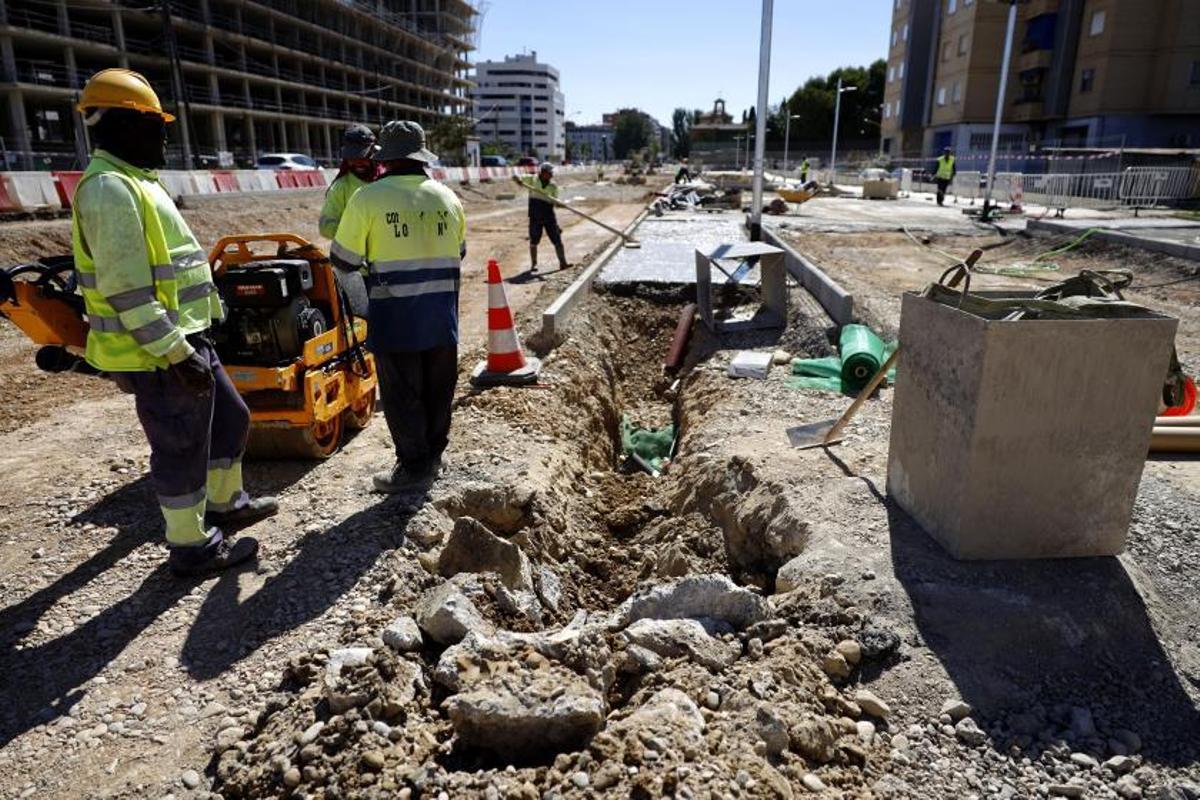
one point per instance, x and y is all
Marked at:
(291, 340)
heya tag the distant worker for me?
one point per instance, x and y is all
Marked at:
(944, 173)
(684, 175)
(804, 171)
(541, 214)
(409, 231)
(356, 171)
(149, 296)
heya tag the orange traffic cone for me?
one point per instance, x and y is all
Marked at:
(506, 364)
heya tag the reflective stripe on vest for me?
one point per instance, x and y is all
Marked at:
(412, 277)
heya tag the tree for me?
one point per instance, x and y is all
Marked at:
(681, 132)
(448, 138)
(814, 103)
(632, 131)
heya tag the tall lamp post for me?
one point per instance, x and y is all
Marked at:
(988, 210)
(737, 147)
(837, 114)
(787, 136)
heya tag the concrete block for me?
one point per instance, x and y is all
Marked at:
(1023, 439)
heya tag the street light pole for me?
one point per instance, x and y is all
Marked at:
(986, 213)
(837, 114)
(787, 135)
(760, 120)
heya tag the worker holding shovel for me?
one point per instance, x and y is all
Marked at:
(541, 213)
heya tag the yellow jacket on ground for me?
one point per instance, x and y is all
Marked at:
(146, 282)
(339, 193)
(409, 231)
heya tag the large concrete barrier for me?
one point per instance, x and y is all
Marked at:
(837, 302)
(31, 191)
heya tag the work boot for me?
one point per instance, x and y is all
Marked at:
(533, 258)
(216, 554)
(562, 256)
(254, 510)
(404, 479)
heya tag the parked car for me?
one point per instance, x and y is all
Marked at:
(286, 161)
(527, 161)
(493, 161)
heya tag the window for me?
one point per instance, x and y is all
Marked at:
(951, 6)
(962, 45)
(946, 51)
(941, 96)
(887, 110)
(1097, 27)
(958, 91)
(1195, 78)
(904, 32)
(897, 108)
(967, 2)
(891, 74)
(1086, 79)
(895, 36)
(900, 72)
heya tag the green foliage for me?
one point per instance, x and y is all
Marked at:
(448, 138)
(632, 130)
(814, 103)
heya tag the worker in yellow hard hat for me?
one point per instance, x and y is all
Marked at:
(150, 300)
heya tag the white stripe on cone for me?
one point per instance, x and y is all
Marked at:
(497, 297)
(503, 341)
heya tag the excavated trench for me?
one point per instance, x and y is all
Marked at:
(542, 469)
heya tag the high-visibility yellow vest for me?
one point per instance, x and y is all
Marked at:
(335, 203)
(945, 167)
(139, 309)
(534, 182)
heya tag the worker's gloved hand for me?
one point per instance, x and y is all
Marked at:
(194, 373)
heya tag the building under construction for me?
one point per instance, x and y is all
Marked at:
(244, 77)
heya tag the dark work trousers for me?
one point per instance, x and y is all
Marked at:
(542, 217)
(942, 185)
(417, 390)
(191, 435)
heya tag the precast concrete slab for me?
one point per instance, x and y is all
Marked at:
(855, 215)
(1169, 235)
(669, 244)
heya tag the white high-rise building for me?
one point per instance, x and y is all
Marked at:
(517, 101)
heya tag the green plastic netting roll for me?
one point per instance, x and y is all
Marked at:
(862, 354)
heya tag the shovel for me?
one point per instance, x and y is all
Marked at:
(828, 431)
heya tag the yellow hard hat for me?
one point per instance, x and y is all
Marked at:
(121, 88)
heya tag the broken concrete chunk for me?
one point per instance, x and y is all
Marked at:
(427, 527)
(527, 713)
(835, 665)
(678, 638)
(549, 588)
(403, 635)
(770, 727)
(669, 714)
(473, 548)
(969, 733)
(698, 597)
(814, 739)
(447, 615)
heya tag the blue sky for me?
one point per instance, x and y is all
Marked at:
(660, 54)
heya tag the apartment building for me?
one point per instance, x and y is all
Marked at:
(517, 101)
(590, 142)
(1084, 73)
(243, 76)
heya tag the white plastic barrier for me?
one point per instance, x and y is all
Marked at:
(202, 182)
(31, 191)
(256, 180)
(330, 173)
(178, 182)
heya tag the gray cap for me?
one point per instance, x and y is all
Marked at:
(358, 142)
(403, 139)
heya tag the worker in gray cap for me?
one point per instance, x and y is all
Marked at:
(409, 231)
(544, 191)
(356, 170)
